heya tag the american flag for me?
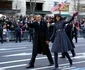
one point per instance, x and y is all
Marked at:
(55, 7)
(63, 4)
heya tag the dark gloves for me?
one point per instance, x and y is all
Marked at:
(75, 14)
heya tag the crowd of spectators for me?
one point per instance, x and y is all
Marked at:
(9, 23)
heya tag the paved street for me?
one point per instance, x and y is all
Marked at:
(16, 56)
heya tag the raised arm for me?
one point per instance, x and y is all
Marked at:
(72, 18)
(31, 25)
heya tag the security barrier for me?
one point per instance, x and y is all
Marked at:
(11, 35)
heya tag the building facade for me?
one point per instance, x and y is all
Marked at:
(44, 5)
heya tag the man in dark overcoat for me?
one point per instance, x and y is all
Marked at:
(18, 34)
(1, 33)
(40, 41)
(74, 32)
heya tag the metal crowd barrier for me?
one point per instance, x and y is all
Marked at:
(11, 35)
(25, 35)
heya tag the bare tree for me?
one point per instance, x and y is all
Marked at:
(78, 8)
(16, 6)
(32, 6)
(75, 6)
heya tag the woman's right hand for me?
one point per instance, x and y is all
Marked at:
(75, 14)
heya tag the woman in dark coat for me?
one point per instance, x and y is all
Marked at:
(61, 42)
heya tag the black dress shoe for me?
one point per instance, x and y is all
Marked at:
(51, 64)
(71, 63)
(56, 68)
(31, 66)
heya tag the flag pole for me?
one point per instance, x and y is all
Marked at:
(59, 9)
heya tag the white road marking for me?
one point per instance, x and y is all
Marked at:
(40, 68)
(78, 55)
(8, 49)
(82, 56)
(10, 46)
(16, 50)
(69, 68)
(15, 66)
(3, 49)
(17, 44)
(79, 69)
(47, 67)
(17, 55)
(22, 60)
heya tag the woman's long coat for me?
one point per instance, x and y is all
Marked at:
(61, 42)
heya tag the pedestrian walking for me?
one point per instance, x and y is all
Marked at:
(68, 30)
(40, 41)
(74, 33)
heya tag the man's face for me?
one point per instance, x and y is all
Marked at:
(38, 18)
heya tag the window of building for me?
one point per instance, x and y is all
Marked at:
(38, 6)
(82, 8)
(5, 4)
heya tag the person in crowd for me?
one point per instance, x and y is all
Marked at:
(74, 32)
(68, 30)
(4, 31)
(18, 34)
(61, 42)
(50, 26)
(40, 41)
(31, 30)
(1, 33)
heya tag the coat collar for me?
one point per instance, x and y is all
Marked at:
(40, 22)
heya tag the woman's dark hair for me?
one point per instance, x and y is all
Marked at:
(57, 15)
(0, 25)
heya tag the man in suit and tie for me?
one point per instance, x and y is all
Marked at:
(40, 41)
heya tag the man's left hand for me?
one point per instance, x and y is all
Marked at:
(47, 42)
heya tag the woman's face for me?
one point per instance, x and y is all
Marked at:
(57, 18)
